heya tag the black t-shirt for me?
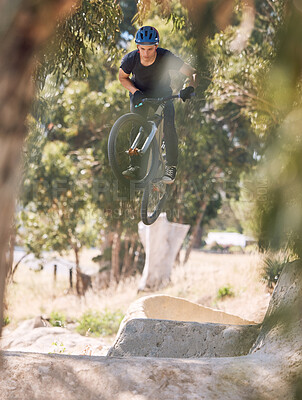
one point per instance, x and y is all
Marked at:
(153, 80)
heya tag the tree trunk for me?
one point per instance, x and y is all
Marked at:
(115, 254)
(78, 272)
(126, 260)
(10, 255)
(162, 242)
(83, 280)
(195, 230)
(198, 239)
(10, 151)
(70, 279)
(24, 30)
(136, 256)
(11, 273)
(129, 255)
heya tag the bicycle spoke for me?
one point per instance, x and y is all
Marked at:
(153, 201)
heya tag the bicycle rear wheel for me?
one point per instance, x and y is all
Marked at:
(153, 201)
(120, 139)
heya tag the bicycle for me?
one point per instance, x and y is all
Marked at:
(134, 136)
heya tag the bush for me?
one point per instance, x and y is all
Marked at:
(57, 319)
(225, 291)
(272, 267)
(99, 324)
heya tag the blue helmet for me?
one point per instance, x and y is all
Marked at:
(147, 35)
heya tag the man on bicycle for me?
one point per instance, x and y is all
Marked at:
(150, 66)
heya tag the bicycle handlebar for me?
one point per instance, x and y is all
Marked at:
(160, 99)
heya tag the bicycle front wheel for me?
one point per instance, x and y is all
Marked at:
(153, 201)
(120, 139)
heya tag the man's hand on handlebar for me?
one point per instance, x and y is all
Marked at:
(186, 93)
(138, 97)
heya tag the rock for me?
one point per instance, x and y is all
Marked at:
(41, 322)
(99, 378)
(147, 330)
(282, 325)
(177, 309)
(27, 338)
(174, 339)
(140, 336)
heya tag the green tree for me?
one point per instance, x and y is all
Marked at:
(57, 213)
(80, 115)
(26, 28)
(92, 25)
(279, 214)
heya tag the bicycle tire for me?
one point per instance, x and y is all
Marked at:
(153, 201)
(119, 141)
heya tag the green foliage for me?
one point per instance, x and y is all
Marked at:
(279, 212)
(244, 207)
(226, 220)
(272, 267)
(57, 213)
(99, 324)
(219, 131)
(93, 25)
(225, 291)
(57, 319)
(216, 143)
(6, 320)
(70, 198)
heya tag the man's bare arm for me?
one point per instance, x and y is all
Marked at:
(126, 82)
(191, 73)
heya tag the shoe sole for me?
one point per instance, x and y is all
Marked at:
(130, 177)
(168, 182)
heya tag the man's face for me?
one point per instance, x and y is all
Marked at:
(147, 52)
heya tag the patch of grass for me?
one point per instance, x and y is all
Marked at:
(99, 324)
(6, 320)
(57, 319)
(225, 291)
(272, 267)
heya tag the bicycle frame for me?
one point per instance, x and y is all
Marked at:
(154, 122)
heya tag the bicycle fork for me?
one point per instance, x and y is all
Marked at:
(134, 150)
